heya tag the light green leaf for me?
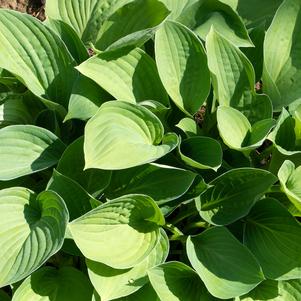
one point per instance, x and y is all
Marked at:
(112, 283)
(134, 73)
(237, 132)
(85, 16)
(32, 227)
(175, 281)
(50, 284)
(231, 71)
(72, 165)
(123, 135)
(201, 15)
(120, 233)
(227, 268)
(188, 126)
(182, 66)
(274, 237)
(201, 152)
(274, 291)
(26, 149)
(160, 182)
(36, 56)
(122, 30)
(231, 195)
(282, 71)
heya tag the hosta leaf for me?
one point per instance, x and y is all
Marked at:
(237, 132)
(182, 66)
(122, 30)
(50, 284)
(227, 268)
(189, 127)
(26, 149)
(231, 71)
(4, 296)
(275, 291)
(201, 152)
(134, 73)
(290, 180)
(282, 71)
(201, 15)
(72, 165)
(36, 56)
(85, 16)
(112, 283)
(231, 195)
(32, 227)
(123, 135)
(274, 237)
(160, 182)
(120, 233)
(175, 281)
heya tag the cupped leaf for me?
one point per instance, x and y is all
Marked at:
(134, 73)
(290, 180)
(231, 71)
(122, 30)
(50, 284)
(123, 135)
(175, 281)
(160, 182)
(200, 16)
(282, 71)
(32, 227)
(237, 132)
(72, 163)
(86, 16)
(26, 149)
(182, 66)
(189, 127)
(201, 152)
(231, 195)
(227, 267)
(120, 233)
(36, 56)
(274, 237)
(113, 283)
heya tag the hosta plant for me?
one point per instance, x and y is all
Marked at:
(150, 150)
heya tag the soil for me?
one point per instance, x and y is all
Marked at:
(33, 7)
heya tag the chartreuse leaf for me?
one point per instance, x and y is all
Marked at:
(182, 66)
(32, 227)
(175, 281)
(231, 71)
(85, 16)
(50, 284)
(274, 237)
(72, 163)
(122, 30)
(201, 15)
(113, 283)
(134, 73)
(36, 56)
(227, 268)
(270, 290)
(123, 135)
(120, 233)
(231, 195)
(175, 7)
(189, 127)
(237, 132)
(26, 149)
(282, 70)
(290, 180)
(169, 182)
(201, 152)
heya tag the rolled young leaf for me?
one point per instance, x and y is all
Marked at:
(120, 233)
(30, 226)
(123, 135)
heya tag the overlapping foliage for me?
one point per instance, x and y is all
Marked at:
(161, 165)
